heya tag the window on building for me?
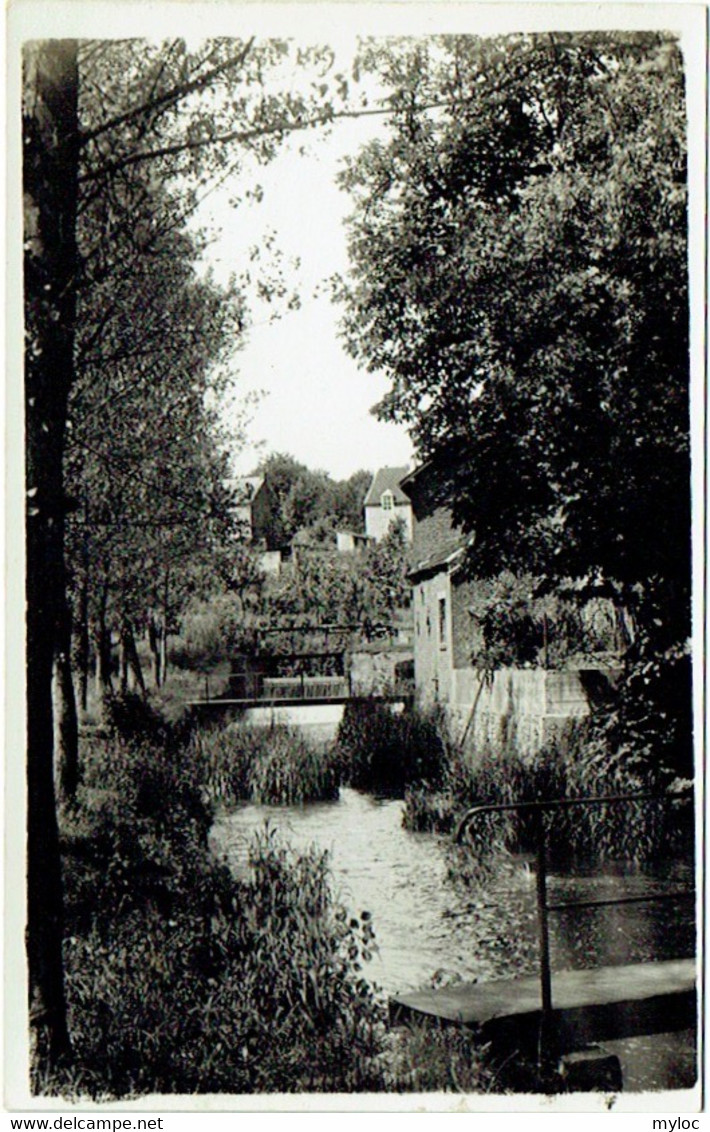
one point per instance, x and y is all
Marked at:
(442, 623)
(387, 501)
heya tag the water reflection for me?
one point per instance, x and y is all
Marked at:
(427, 927)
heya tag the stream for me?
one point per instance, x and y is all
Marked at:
(428, 928)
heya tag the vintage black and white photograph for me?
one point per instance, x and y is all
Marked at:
(362, 693)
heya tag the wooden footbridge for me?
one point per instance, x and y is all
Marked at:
(552, 1018)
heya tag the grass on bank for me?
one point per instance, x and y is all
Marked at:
(272, 765)
(571, 766)
(414, 755)
(384, 751)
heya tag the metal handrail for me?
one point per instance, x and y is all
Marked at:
(538, 808)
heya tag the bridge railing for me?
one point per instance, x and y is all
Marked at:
(537, 810)
(258, 689)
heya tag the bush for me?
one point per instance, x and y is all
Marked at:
(287, 770)
(384, 752)
(267, 765)
(129, 716)
(181, 979)
(243, 988)
(211, 632)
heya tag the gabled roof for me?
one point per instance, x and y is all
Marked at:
(246, 487)
(386, 479)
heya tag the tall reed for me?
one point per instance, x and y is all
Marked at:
(273, 765)
(570, 766)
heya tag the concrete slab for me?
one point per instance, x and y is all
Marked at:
(480, 1003)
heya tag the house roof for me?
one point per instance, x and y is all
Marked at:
(386, 479)
(443, 559)
(246, 487)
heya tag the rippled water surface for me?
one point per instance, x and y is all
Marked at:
(426, 926)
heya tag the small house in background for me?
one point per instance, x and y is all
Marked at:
(254, 513)
(254, 510)
(386, 503)
(525, 706)
(348, 542)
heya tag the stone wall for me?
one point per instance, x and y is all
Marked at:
(374, 672)
(432, 653)
(522, 707)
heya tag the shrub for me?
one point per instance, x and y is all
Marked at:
(268, 765)
(130, 717)
(243, 988)
(181, 979)
(222, 756)
(212, 630)
(384, 752)
(288, 770)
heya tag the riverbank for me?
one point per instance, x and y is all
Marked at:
(182, 978)
(433, 926)
(206, 952)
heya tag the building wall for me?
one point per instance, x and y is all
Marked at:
(349, 541)
(270, 561)
(433, 654)
(520, 707)
(466, 634)
(261, 517)
(244, 518)
(378, 521)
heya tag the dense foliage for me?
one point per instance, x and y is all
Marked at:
(321, 586)
(517, 622)
(574, 764)
(182, 978)
(120, 140)
(273, 765)
(305, 500)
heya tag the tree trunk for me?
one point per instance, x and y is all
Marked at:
(123, 662)
(164, 637)
(164, 654)
(102, 652)
(156, 641)
(66, 728)
(133, 660)
(131, 671)
(50, 186)
(83, 643)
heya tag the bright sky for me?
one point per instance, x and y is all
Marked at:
(316, 403)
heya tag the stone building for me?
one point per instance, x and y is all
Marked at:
(254, 510)
(525, 706)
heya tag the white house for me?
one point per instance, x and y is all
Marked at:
(386, 503)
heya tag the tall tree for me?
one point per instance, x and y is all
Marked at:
(144, 452)
(519, 273)
(50, 171)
